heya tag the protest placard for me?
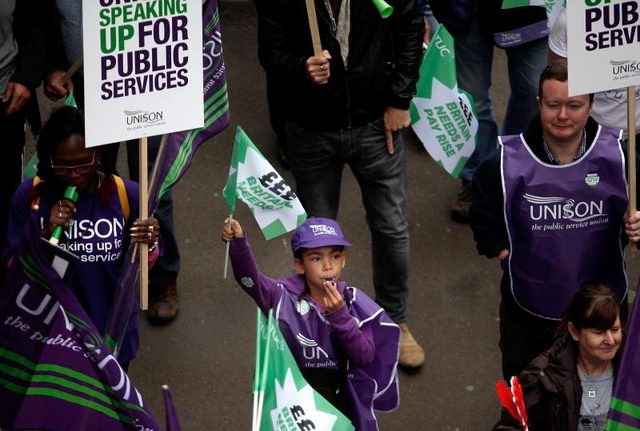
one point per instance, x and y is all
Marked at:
(603, 39)
(142, 68)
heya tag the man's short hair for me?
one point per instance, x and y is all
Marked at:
(559, 71)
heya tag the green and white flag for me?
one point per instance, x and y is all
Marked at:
(286, 402)
(255, 182)
(442, 115)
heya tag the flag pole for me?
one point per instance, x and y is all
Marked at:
(631, 148)
(313, 27)
(226, 254)
(144, 214)
(156, 163)
(255, 426)
(73, 69)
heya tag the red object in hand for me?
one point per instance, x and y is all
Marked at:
(512, 399)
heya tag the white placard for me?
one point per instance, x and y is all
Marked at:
(603, 39)
(142, 68)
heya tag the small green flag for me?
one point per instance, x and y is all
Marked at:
(255, 182)
(442, 115)
(288, 402)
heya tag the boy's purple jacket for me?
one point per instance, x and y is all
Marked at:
(346, 337)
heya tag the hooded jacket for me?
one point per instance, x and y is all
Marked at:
(552, 391)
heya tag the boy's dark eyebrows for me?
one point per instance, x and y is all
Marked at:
(334, 249)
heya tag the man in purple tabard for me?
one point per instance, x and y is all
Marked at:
(344, 343)
(551, 209)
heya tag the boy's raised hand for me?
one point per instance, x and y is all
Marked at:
(333, 300)
(232, 231)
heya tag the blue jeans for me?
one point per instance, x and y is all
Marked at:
(474, 58)
(317, 160)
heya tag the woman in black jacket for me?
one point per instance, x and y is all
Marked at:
(569, 387)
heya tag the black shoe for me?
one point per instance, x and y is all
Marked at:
(460, 207)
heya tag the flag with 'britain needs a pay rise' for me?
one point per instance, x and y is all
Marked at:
(442, 115)
(255, 182)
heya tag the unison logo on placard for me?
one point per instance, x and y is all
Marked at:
(143, 117)
(625, 67)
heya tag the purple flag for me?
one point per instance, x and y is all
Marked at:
(173, 424)
(181, 146)
(176, 158)
(56, 372)
(624, 413)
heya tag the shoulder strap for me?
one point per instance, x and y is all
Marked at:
(35, 204)
(122, 194)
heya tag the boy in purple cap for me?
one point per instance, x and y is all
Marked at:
(344, 343)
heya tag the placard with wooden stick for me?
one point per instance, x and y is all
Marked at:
(631, 149)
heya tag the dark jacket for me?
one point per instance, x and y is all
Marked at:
(28, 19)
(552, 390)
(382, 71)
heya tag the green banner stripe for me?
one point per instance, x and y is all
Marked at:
(14, 357)
(59, 381)
(186, 148)
(34, 368)
(612, 425)
(37, 374)
(214, 20)
(220, 94)
(186, 145)
(54, 393)
(625, 407)
(209, 112)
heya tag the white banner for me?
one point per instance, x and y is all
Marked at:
(603, 39)
(142, 68)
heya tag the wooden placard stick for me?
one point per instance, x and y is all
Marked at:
(313, 27)
(72, 70)
(144, 214)
(631, 148)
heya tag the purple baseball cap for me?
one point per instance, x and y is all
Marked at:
(317, 232)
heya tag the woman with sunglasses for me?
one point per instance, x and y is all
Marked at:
(98, 227)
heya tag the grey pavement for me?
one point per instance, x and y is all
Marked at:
(206, 355)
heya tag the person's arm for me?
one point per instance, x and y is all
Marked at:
(276, 25)
(263, 289)
(408, 32)
(486, 216)
(355, 341)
